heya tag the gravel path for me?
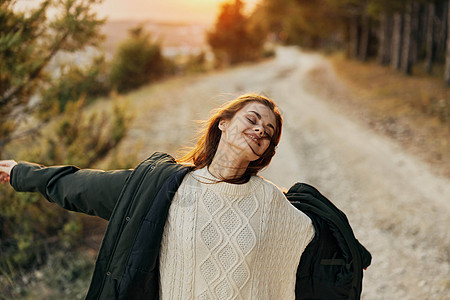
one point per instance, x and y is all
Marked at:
(398, 208)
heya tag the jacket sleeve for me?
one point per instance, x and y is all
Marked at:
(93, 192)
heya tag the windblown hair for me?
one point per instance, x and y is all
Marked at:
(203, 153)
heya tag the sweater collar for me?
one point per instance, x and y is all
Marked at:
(204, 176)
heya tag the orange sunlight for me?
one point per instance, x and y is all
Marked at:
(199, 11)
(192, 11)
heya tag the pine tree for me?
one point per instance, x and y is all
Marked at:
(232, 39)
(28, 43)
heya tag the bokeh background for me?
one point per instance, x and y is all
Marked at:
(363, 86)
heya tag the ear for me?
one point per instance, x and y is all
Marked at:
(222, 124)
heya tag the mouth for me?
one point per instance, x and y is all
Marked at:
(254, 139)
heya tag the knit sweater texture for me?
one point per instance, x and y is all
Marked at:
(231, 241)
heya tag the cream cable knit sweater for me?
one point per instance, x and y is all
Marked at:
(231, 241)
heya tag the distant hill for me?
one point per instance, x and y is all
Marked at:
(176, 38)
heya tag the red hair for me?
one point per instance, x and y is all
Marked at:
(203, 153)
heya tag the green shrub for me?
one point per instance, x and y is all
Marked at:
(138, 60)
(196, 63)
(73, 83)
(84, 139)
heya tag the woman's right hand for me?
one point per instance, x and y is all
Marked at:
(5, 170)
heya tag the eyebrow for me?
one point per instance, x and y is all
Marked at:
(259, 117)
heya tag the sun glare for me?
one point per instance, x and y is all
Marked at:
(204, 11)
(199, 11)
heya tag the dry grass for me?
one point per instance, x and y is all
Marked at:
(412, 110)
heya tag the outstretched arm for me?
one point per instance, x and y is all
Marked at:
(93, 192)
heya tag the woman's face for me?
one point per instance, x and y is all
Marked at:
(249, 132)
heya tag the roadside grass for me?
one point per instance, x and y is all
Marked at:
(66, 275)
(412, 110)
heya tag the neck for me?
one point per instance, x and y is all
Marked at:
(227, 164)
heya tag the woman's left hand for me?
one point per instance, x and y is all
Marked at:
(5, 170)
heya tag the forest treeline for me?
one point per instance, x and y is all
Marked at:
(399, 33)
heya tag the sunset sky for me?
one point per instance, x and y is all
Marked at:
(204, 11)
(174, 10)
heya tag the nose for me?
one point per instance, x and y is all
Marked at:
(259, 131)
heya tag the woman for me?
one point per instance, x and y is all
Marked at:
(203, 227)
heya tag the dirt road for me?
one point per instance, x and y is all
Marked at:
(399, 210)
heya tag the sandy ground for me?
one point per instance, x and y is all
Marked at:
(397, 207)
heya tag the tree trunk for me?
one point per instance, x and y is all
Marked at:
(409, 47)
(430, 38)
(365, 36)
(397, 40)
(447, 56)
(384, 39)
(407, 37)
(417, 26)
(354, 37)
(441, 28)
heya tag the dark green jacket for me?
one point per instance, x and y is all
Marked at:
(136, 203)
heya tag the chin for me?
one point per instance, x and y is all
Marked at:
(255, 159)
(251, 155)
